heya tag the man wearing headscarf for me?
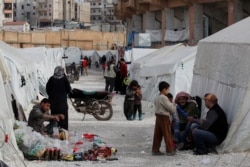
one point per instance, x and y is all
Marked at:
(57, 89)
(185, 104)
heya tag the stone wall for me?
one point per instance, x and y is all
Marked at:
(84, 39)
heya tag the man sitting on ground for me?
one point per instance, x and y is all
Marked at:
(39, 114)
(211, 131)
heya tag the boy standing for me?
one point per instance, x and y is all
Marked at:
(163, 109)
(129, 100)
(137, 106)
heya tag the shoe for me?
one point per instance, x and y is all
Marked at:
(180, 146)
(157, 153)
(212, 150)
(170, 153)
(199, 153)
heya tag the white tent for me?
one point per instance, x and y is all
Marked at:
(136, 53)
(109, 54)
(72, 54)
(222, 68)
(173, 64)
(23, 78)
(46, 60)
(9, 151)
(91, 54)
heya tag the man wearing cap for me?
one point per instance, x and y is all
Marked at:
(211, 131)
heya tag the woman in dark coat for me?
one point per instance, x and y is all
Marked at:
(57, 89)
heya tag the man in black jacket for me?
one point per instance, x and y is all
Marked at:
(211, 131)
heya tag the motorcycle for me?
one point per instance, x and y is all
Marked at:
(96, 103)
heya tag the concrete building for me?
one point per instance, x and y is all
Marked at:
(102, 11)
(50, 12)
(173, 21)
(25, 10)
(82, 12)
(6, 11)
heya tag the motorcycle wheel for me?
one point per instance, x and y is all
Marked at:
(106, 111)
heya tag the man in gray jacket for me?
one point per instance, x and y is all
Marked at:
(39, 114)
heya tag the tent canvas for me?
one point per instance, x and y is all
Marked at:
(109, 54)
(173, 64)
(222, 68)
(91, 54)
(136, 53)
(46, 60)
(9, 151)
(23, 74)
(72, 54)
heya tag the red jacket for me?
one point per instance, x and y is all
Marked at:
(123, 70)
(84, 63)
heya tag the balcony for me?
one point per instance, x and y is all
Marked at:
(146, 1)
(154, 3)
(7, 11)
(129, 4)
(8, 1)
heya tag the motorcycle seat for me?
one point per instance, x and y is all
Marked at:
(77, 93)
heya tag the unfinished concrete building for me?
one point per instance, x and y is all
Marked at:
(25, 10)
(50, 12)
(6, 11)
(173, 21)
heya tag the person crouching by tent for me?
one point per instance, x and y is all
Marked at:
(57, 89)
(211, 131)
(129, 100)
(40, 114)
(163, 109)
(185, 104)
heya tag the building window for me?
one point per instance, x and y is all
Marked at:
(22, 7)
(7, 6)
(7, 15)
(28, 4)
(93, 4)
(34, 13)
(22, 14)
(49, 5)
(100, 4)
(49, 14)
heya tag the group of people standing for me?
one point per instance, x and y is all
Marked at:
(115, 75)
(203, 133)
